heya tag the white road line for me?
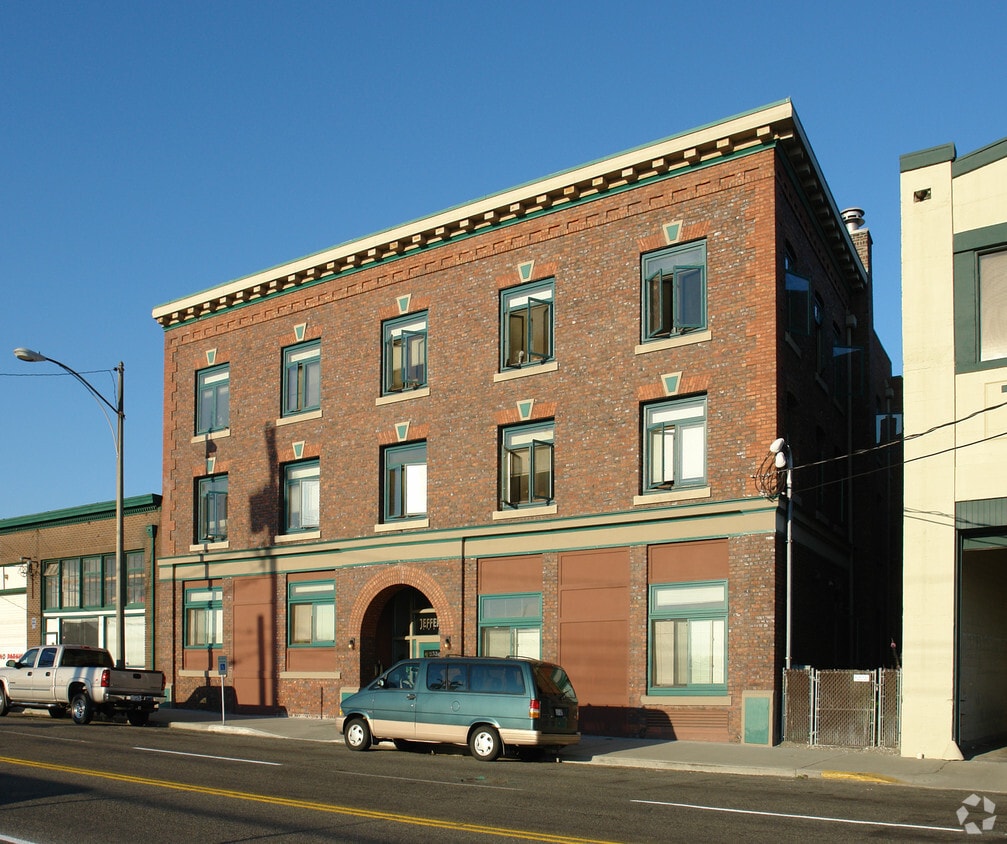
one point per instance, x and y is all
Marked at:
(802, 817)
(205, 756)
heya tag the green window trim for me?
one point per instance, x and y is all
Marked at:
(970, 249)
(203, 618)
(404, 353)
(674, 291)
(213, 399)
(211, 509)
(311, 613)
(527, 325)
(301, 493)
(404, 482)
(528, 466)
(510, 624)
(302, 376)
(89, 582)
(675, 444)
(687, 638)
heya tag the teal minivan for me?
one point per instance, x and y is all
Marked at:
(491, 704)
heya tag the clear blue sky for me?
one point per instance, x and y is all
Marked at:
(149, 150)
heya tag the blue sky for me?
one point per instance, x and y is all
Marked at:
(149, 150)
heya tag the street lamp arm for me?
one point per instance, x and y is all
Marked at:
(35, 357)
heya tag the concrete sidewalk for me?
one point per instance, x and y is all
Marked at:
(984, 775)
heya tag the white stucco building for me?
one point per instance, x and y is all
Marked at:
(954, 301)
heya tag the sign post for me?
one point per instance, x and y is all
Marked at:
(222, 671)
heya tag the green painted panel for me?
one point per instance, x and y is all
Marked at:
(757, 720)
(926, 157)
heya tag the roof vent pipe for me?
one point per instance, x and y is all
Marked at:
(853, 217)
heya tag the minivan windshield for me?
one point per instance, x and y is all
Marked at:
(552, 681)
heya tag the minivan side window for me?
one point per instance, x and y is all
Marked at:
(401, 677)
(497, 679)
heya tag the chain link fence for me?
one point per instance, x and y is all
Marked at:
(842, 707)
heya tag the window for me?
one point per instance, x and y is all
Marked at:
(312, 612)
(204, 617)
(510, 625)
(404, 348)
(527, 465)
(50, 585)
(993, 306)
(798, 304)
(213, 402)
(136, 578)
(688, 637)
(674, 291)
(405, 481)
(302, 378)
(211, 509)
(527, 325)
(848, 370)
(70, 572)
(301, 488)
(674, 444)
(109, 578)
(92, 581)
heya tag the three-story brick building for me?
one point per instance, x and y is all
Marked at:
(529, 425)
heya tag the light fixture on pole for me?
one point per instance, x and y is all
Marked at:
(783, 460)
(120, 559)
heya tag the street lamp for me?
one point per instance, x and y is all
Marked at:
(784, 459)
(120, 559)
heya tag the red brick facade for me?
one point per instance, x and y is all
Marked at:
(593, 559)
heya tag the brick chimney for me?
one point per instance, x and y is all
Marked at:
(861, 235)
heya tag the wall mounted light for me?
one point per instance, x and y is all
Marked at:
(353, 643)
(447, 643)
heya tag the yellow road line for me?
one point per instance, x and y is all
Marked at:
(311, 805)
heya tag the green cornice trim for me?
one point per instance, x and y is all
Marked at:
(980, 158)
(85, 513)
(982, 238)
(926, 157)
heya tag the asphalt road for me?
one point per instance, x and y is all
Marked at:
(110, 782)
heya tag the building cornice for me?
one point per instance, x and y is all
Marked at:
(77, 515)
(775, 125)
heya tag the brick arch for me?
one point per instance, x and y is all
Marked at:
(393, 578)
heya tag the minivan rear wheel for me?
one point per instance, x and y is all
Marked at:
(484, 744)
(357, 735)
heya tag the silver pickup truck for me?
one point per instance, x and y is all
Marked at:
(82, 679)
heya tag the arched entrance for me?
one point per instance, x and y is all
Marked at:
(402, 623)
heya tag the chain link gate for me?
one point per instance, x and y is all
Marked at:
(842, 707)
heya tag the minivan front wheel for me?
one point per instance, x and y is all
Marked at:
(357, 735)
(484, 744)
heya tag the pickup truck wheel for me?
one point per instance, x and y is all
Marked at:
(137, 718)
(357, 735)
(4, 705)
(81, 708)
(484, 744)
